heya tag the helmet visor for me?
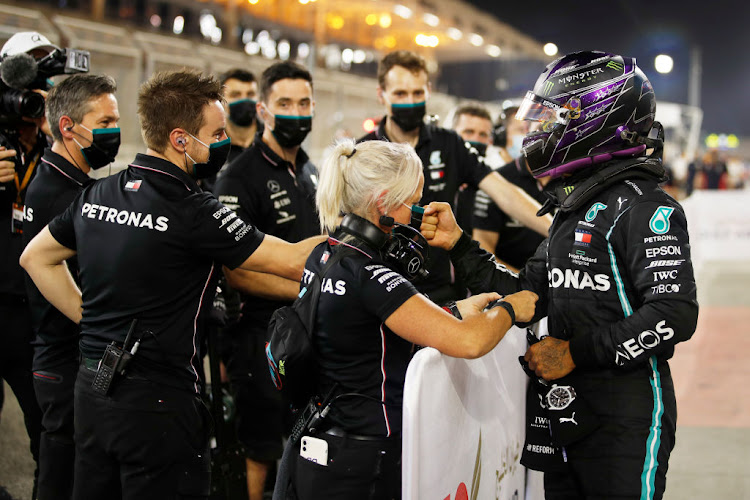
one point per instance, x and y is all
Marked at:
(538, 109)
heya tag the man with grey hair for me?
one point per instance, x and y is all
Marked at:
(82, 113)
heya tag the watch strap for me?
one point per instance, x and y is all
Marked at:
(508, 307)
(452, 308)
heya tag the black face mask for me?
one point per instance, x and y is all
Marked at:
(290, 131)
(104, 147)
(408, 116)
(218, 152)
(480, 147)
(242, 112)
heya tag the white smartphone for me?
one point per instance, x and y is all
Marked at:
(314, 450)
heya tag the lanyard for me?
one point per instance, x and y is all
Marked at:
(29, 170)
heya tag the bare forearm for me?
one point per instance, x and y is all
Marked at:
(58, 287)
(276, 256)
(487, 239)
(483, 332)
(423, 323)
(264, 285)
(44, 260)
(515, 202)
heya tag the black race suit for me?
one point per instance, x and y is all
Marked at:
(616, 280)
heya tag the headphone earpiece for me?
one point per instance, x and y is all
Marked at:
(181, 141)
(387, 221)
(405, 248)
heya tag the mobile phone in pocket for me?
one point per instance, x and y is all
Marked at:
(314, 450)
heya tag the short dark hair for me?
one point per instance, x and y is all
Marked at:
(72, 98)
(471, 109)
(172, 99)
(404, 58)
(240, 74)
(281, 71)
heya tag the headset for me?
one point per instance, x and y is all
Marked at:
(404, 248)
(181, 141)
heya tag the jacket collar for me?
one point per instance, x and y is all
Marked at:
(276, 160)
(148, 163)
(425, 134)
(63, 167)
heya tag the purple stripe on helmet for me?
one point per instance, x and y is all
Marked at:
(629, 64)
(574, 165)
(630, 151)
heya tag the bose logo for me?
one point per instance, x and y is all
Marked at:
(665, 263)
(580, 280)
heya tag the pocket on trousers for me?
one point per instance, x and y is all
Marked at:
(45, 376)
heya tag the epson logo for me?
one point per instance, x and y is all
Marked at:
(647, 339)
(580, 280)
(663, 250)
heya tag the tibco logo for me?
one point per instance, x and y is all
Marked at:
(580, 280)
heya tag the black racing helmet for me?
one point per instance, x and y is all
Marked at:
(592, 106)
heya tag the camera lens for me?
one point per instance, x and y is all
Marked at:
(22, 103)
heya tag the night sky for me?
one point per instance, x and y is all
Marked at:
(645, 28)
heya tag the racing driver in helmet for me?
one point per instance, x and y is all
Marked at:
(614, 278)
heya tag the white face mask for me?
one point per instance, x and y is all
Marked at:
(514, 150)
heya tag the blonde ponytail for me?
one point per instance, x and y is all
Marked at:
(354, 175)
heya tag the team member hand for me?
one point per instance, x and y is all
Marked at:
(524, 304)
(7, 167)
(475, 304)
(439, 226)
(550, 358)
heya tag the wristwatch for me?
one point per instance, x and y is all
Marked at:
(560, 397)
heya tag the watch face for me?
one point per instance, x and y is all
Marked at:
(560, 397)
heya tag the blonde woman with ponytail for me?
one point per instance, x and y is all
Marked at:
(370, 317)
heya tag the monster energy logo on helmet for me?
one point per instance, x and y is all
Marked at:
(615, 65)
(547, 88)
